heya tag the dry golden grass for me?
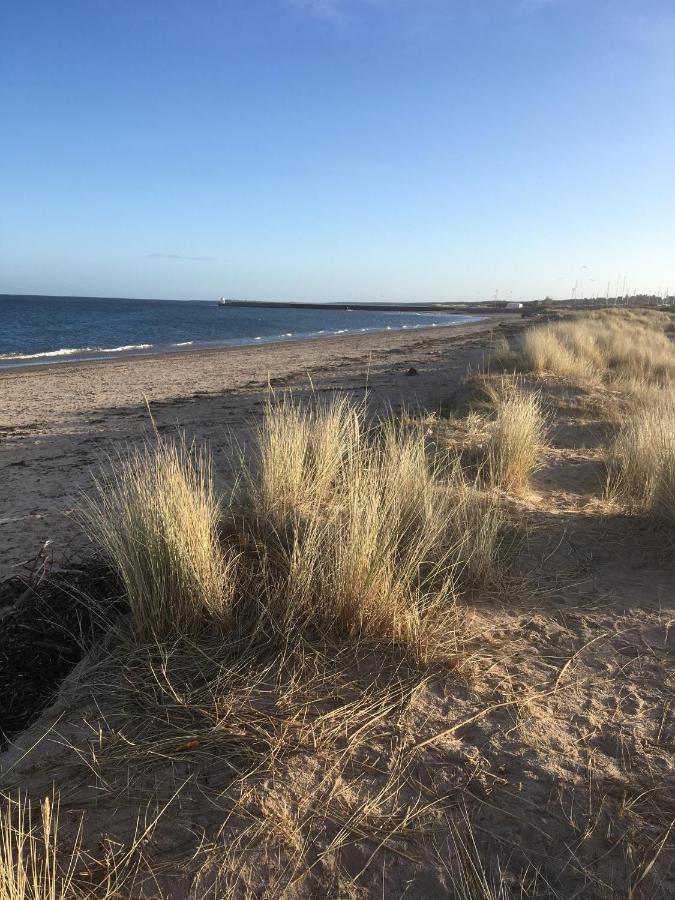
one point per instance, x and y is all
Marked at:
(479, 393)
(517, 440)
(544, 349)
(300, 453)
(630, 351)
(503, 428)
(615, 346)
(641, 464)
(372, 542)
(650, 318)
(30, 863)
(42, 859)
(156, 519)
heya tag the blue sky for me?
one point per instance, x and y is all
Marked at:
(337, 149)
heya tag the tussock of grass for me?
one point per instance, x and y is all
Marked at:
(557, 349)
(478, 392)
(641, 465)
(516, 441)
(156, 518)
(504, 428)
(613, 346)
(378, 546)
(478, 523)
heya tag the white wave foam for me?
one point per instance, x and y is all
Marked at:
(125, 347)
(64, 351)
(70, 351)
(181, 344)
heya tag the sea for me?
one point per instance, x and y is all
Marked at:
(47, 330)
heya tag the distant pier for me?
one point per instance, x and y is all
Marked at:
(458, 308)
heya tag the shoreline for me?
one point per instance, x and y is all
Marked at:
(478, 323)
(64, 355)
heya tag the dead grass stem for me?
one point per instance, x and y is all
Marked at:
(30, 858)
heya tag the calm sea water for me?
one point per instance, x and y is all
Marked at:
(56, 329)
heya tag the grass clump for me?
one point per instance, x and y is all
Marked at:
(641, 465)
(156, 519)
(504, 428)
(544, 349)
(376, 539)
(478, 392)
(617, 348)
(516, 441)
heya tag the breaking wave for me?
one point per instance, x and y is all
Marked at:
(70, 351)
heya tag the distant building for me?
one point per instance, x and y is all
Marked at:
(513, 305)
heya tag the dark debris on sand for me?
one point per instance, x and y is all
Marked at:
(46, 625)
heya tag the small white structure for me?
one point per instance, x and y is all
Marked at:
(514, 305)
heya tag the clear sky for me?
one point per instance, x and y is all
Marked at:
(336, 149)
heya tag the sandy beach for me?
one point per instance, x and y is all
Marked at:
(546, 738)
(60, 421)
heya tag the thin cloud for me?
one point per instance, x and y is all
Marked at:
(340, 10)
(178, 256)
(321, 9)
(344, 12)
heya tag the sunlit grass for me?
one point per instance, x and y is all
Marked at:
(156, 518)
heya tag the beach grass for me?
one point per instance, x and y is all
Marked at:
(632, 352)
(155, 516)
(517, 439)
(351, 528)
(361, 531)
(641, 461)
(615, 347)
(30, 853)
